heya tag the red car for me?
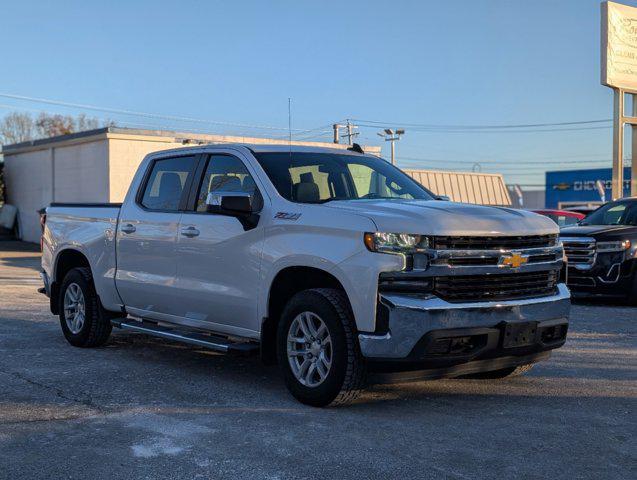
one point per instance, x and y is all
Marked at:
(561, 217)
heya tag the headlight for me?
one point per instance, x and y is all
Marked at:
(397, 243)
(618, 246)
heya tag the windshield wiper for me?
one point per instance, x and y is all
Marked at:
(331, 199)
(370, 196)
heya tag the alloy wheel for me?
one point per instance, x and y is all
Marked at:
(309, 349)
(74, 308)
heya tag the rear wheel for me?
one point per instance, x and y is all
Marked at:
(317, 348)
(503, 373)
(83, 320)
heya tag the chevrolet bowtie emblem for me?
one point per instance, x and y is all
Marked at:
(513, 260)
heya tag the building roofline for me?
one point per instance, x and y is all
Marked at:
(59, 138)
(429, 170)
(186, 138)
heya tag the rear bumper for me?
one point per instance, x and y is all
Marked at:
(418, 327)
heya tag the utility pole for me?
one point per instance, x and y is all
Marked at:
(392, 136)
(350, 132)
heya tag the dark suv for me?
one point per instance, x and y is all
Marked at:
(602, 252)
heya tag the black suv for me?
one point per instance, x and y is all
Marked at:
(601, 252)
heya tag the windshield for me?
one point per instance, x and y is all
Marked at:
(616, 213)
(321, 177)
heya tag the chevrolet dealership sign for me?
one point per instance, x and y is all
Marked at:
(619, 46)
(580, 186)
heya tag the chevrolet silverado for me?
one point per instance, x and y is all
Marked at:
(332, 263)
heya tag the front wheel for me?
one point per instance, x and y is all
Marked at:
(317, 348)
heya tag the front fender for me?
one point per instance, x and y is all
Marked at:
(358, 274)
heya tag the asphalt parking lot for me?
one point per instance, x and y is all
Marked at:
(147, 408)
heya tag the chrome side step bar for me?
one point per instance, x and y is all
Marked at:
(212, 342)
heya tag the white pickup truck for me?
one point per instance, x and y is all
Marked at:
(333, 263)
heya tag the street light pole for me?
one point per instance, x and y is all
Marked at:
(392, 136)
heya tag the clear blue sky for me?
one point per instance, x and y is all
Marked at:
(425, 62)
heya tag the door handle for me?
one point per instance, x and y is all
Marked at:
(189, 232)
(128, 228)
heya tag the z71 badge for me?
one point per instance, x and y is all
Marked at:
(287, 216)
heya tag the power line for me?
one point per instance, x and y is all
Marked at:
(137, 114)
(501, 126)
(457, 130)
(127, 123)
(101, 119)
(523, 163)
(314, 132)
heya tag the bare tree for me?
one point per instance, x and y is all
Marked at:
(19, 127)
(83, 123)
(16, 127)
(53, 125)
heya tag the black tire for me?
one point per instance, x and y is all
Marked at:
(503, 373)
(346, 376)
(97, 321)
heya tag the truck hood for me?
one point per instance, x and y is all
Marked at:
(435, 217)
(592, 230)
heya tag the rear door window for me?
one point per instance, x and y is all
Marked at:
(167, 182)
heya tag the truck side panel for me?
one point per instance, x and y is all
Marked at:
(90, 231)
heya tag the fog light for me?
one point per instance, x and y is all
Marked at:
(461, 345)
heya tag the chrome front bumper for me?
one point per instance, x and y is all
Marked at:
(410, 319)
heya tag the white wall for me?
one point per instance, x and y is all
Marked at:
(71, 173)
(29, 188)
(125, 155)
(81, 172)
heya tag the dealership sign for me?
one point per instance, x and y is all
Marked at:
(619, 46)
(619, 71)
(589, 185)
(581, 186)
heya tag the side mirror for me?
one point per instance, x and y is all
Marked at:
(229, 203)
(444, 198)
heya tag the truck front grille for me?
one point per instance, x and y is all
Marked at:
(507, 286)
(579, 251)
(494, 243)
(478, 261)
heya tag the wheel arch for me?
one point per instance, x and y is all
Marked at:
(286, 283)
(66, 260)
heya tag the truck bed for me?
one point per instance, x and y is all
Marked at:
(89, 229)
(85, 204)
